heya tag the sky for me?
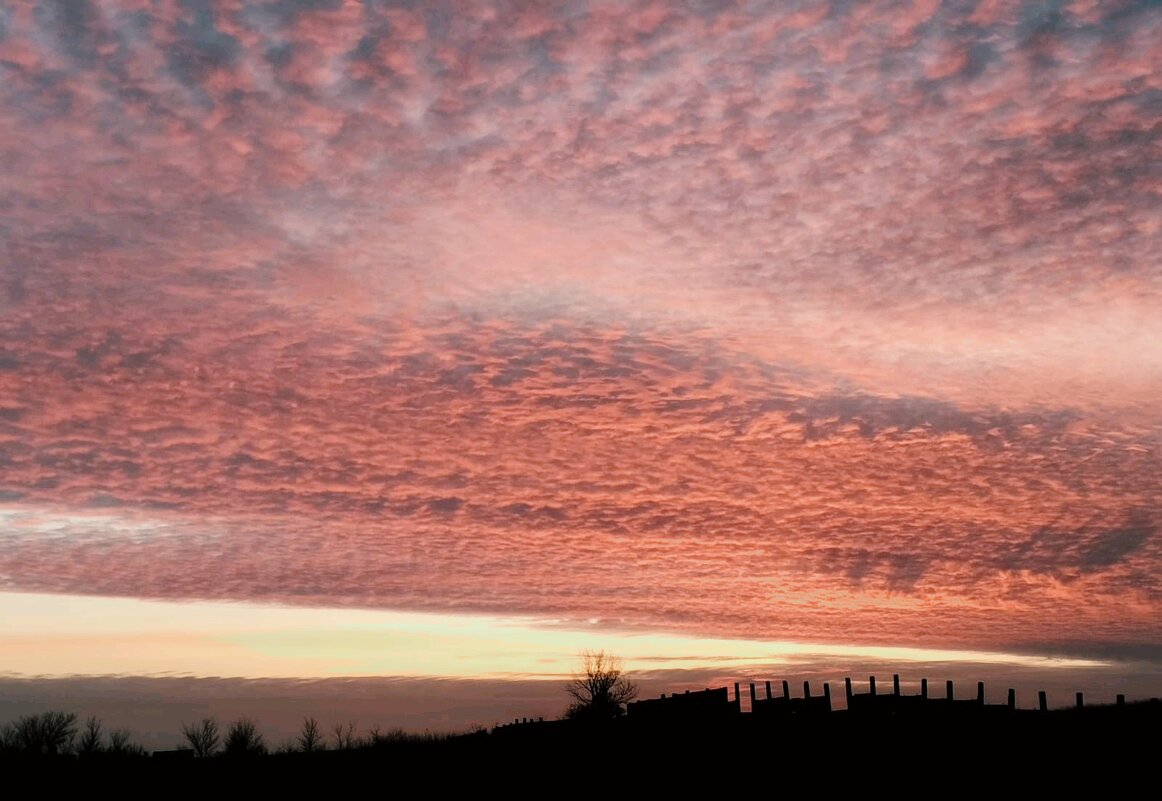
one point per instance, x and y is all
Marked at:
(676, 326)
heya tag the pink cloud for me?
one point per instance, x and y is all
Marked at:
(751, 321)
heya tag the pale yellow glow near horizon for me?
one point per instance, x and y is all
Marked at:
(64, 635)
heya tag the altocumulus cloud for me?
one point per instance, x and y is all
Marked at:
(831, 321)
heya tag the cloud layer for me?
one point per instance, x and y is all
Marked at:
(828, 321)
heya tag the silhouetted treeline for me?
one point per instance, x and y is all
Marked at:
(58, 734)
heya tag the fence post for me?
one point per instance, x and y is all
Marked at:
(980, 693)
(827, 694)
(806, 689)
(924, 689)
(1121, 699)
(872, 683)
(768, 691)
(896, 684)
(1012, 698)
(847, 689)
(753, 697)
(1042, 701)
(948, 689)
(786, 689)
(1080, 701)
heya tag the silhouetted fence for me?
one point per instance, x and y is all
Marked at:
(717, 704)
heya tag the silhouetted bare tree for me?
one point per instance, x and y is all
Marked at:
(90, 742)
(310, 737)
(600, 689)
(46, 734)
(203, 737)
(242, 739)
(345, 738)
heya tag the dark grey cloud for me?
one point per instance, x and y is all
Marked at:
(1097, 545)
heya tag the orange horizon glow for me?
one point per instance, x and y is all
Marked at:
(53, 636)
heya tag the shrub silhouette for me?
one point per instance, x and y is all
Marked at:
(203, 737)
(242, 739)
(119, 744)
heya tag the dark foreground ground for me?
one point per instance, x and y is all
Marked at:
(1106, 751)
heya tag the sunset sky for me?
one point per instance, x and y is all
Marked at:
(445, 339)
